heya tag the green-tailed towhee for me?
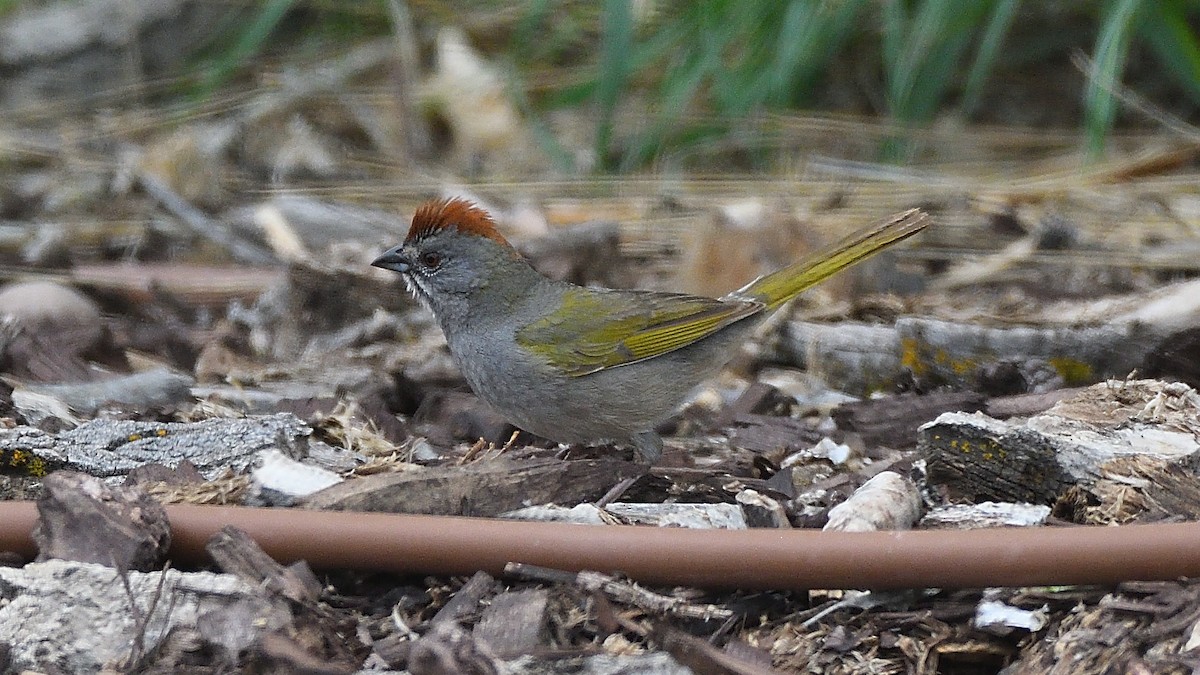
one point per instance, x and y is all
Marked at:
(576, 364)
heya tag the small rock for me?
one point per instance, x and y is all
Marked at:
(50, 331)
(35, 302)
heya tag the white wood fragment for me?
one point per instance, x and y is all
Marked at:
(985, 514)
(888, 501)
(696, 516)
(1193, 640)
(1001, 618)
(826, 448)
(583, 514)
(279, 473)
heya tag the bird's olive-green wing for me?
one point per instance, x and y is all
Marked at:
(596, 329)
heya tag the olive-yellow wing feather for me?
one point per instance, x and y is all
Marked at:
(596, 329)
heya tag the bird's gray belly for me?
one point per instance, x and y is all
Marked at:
(610, 404)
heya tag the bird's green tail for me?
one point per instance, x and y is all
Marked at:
(778, 287)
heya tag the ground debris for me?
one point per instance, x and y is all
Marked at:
(623, 591)
(314, 635)
(1143, 627)
(1133, 489)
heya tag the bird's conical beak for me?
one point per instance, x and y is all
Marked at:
(393, 259)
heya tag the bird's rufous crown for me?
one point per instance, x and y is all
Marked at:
(453, 214)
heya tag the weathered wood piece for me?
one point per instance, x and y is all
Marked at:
(980, 458)
(768, 434)
(480, 489)
(694, 516)
(860, 358)
(985, 514)
(582, 514)
(448, 648)
(1144, 489)
(109, 448)
(466, 601)
(976, 458)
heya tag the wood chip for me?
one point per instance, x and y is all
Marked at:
(82, 519)
(515, 623)
(893, 420)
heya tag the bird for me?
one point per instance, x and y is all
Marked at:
(584, 365)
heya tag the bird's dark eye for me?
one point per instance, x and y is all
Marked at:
(431, 259)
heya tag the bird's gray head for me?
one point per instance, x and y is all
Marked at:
(454, 260)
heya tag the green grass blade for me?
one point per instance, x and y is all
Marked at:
(616, 44)
(998, 23)
(249, 42)
(1112, 48)
(1167, 29)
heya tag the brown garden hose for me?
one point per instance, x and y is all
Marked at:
(763, 558)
